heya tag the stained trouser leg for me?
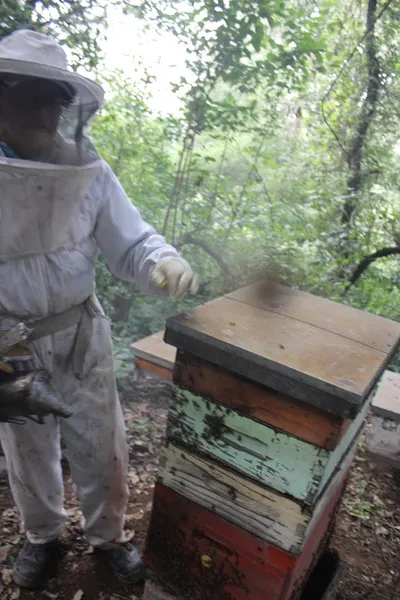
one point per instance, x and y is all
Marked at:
(33, 456)
(95, 440)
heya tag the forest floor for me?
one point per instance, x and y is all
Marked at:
(367, 533)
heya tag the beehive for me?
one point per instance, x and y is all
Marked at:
(269, 399)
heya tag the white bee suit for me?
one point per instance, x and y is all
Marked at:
(54, 218)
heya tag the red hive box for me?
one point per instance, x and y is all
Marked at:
(203, 557)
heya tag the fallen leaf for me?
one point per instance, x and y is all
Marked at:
(15, 594)
(9, 514)
(139, 514)
(381, 531)
(378, 501)
(15, 539)
(4, 550)
(129, 534)
(6, 575)
(78, 595)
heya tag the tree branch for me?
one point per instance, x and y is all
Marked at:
(367, 260)
(188, 239)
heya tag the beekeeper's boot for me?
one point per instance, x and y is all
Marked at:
(36, 564)
(125, 562)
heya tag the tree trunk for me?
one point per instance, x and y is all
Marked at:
(367, 113)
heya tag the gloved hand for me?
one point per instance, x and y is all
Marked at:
(174, 274)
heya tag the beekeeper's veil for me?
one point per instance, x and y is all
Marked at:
(39, 201)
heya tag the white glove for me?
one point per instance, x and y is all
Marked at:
(176, 275)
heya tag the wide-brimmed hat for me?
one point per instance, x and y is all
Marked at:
(28, 53)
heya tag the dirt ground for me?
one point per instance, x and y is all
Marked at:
(367, 532)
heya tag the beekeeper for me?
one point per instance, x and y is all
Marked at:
(59, 205)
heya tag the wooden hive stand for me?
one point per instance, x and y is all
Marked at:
(383, 438)
(269, 399)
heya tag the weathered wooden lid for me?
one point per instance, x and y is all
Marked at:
(321, 352)
(155, 350)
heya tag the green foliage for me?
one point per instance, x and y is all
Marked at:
(77, 25)
(278, 135)
(139, 148)
(256, 176)
(137, 145)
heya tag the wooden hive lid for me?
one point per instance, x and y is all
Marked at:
(318, 351)
(154, 350)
